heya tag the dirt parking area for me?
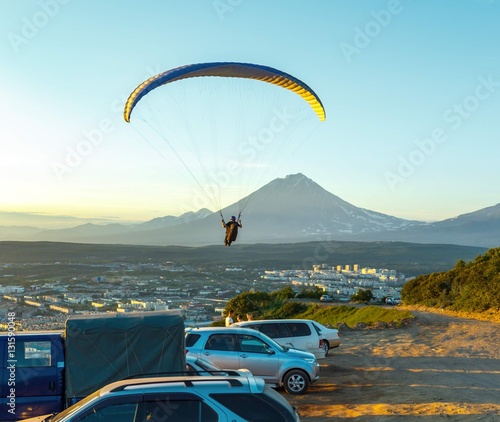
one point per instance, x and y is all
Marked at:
(438, 368)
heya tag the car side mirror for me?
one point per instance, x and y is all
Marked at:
(270, 351)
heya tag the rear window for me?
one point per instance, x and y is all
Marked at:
(318, 330)
(299, 329)
(191, 339)
(255, 407)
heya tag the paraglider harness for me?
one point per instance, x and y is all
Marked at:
(231, 229)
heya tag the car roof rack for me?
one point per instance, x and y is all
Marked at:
(191, 373)
(188, 381)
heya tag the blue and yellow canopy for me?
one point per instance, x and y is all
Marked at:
(228, 70)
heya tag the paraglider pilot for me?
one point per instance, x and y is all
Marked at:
(231, 229)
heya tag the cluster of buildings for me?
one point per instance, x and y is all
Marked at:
(201, 294)
(342, 281)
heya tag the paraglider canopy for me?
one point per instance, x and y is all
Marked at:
(228, 127)
(230, 70)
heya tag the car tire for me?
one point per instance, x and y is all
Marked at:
(326, 347)
(295, 382)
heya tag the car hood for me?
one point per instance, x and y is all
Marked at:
(301, 354)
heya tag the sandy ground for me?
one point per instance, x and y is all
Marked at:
(438, 368)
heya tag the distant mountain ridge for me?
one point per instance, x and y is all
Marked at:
(170, 220)
(290, 209)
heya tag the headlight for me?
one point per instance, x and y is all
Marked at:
(311, 361)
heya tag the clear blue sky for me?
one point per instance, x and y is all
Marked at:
(411, 90)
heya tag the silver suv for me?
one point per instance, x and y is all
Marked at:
(181, 399)
(300, 334)
(235, 348)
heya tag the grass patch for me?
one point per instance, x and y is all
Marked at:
(353, 316)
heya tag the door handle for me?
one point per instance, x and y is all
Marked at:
(244, 356)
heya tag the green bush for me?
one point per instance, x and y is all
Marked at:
(362, 296)
(311, 294)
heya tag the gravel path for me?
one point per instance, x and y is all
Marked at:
(438, 368)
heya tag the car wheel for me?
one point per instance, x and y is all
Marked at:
(326, 347)
(296, 382)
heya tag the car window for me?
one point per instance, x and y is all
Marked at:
(272, 343)
(275, 330)
(318, 329)
(33, 353)
(254, 326)
(121, 412)
(254, 407)
(191, 339)
(251, 344)
(299, 329)
(221, 342)
(177, 410)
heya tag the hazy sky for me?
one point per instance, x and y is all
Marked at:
(411, 90)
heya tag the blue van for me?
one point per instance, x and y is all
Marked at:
(32, 374)
(44, 372)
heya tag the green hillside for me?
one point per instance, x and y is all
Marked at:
(468, 287)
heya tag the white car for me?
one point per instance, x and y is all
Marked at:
(330, 336)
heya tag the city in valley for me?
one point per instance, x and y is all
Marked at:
(42, 300)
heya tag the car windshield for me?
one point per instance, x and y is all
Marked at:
(75, 407)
